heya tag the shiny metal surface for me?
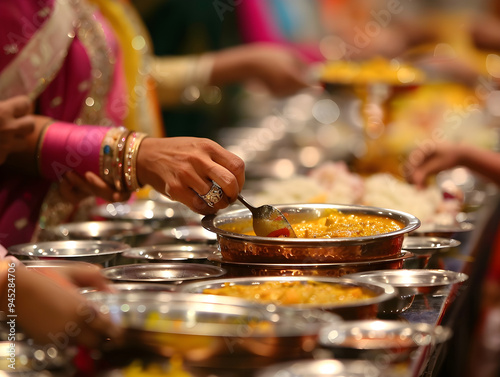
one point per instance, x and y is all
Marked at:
(152, 212)
(57, 263)
(80, 250)
(444, 231)
(98, 230)
(245, 269)
(133, 287)
(392, 340)
(320, 368)
(162, 272)
(214, 329)
(411, 282)
(365, 308)
(190, 233)
(429, 244)
(29, 359)
(239, 247)
(172, 253)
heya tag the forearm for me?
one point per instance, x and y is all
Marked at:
(482, 161)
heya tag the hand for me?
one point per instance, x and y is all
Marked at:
(421, 164)
(183, 167)
(55, 314)
(279, 69)
(15, 124)
(74, 188)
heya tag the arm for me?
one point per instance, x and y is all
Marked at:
(423, 164)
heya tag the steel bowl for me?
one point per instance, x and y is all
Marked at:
(322, 368)
(363, 308)
(212, 330)
(23, 358)
(162, 272)
(98, 252)
(133, 287)
(171, 253)
(246, 269)
(157, 214)
(390, 340)
(409, 283)
(235, 246)
(123, 231)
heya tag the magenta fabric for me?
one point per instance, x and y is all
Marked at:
(69, 148)
(257, 25)
(21, 196)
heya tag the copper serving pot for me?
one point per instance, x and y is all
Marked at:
(236, 246)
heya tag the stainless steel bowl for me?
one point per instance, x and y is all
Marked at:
(236, 246)
(322, 368)
(133, 287)
(413, 282)
(22, 358)
(189, 233)
(157, 214)
(171, 253)
(429, 245)
(123, 231)
(212, 330)
(100, 252)
(363, 308)
(377, 340)
(245, 269)
(162, 272)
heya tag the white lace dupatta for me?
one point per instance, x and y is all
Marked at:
(39, 61)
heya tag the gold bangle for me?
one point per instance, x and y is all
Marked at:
(130, 160)
(109, 154)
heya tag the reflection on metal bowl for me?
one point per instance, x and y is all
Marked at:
(162, 272)
(243, 269)
(322, 368)
(171, 253)
(25, 359)
(391, 341)
(213, 330)
(100, 252)
(123, 231)
(365, 306)
(154, 213)
(235, 246)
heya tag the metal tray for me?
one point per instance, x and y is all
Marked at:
(162, 272)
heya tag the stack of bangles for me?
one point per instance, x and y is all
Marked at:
(109, 152)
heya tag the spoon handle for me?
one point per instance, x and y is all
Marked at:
(245, 203)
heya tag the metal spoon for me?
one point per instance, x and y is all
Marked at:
(268, 221)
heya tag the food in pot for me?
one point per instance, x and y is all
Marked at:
(294, 292)
(342, 225)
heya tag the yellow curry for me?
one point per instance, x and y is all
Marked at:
(340, 225)
(294, 292)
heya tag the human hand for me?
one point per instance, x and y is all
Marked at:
(15, 124)
(421, 164)
(279, 69)
(55, 314)
(74, 188)
(183, 167)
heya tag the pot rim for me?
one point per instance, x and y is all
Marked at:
(410, 222)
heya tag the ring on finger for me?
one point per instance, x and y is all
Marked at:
(214, 195)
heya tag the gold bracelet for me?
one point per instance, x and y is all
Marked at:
(130, 160)
(118, 160)
(109, 153)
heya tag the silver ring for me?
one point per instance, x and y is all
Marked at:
(214, 195)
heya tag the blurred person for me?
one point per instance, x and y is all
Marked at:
(477, 334)
(85, 77)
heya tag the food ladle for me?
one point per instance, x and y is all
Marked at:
(268, 221)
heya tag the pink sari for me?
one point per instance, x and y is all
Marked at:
(87, 88)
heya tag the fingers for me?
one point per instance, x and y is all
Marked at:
(73, 188)
(103, 190)
(19, 106)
